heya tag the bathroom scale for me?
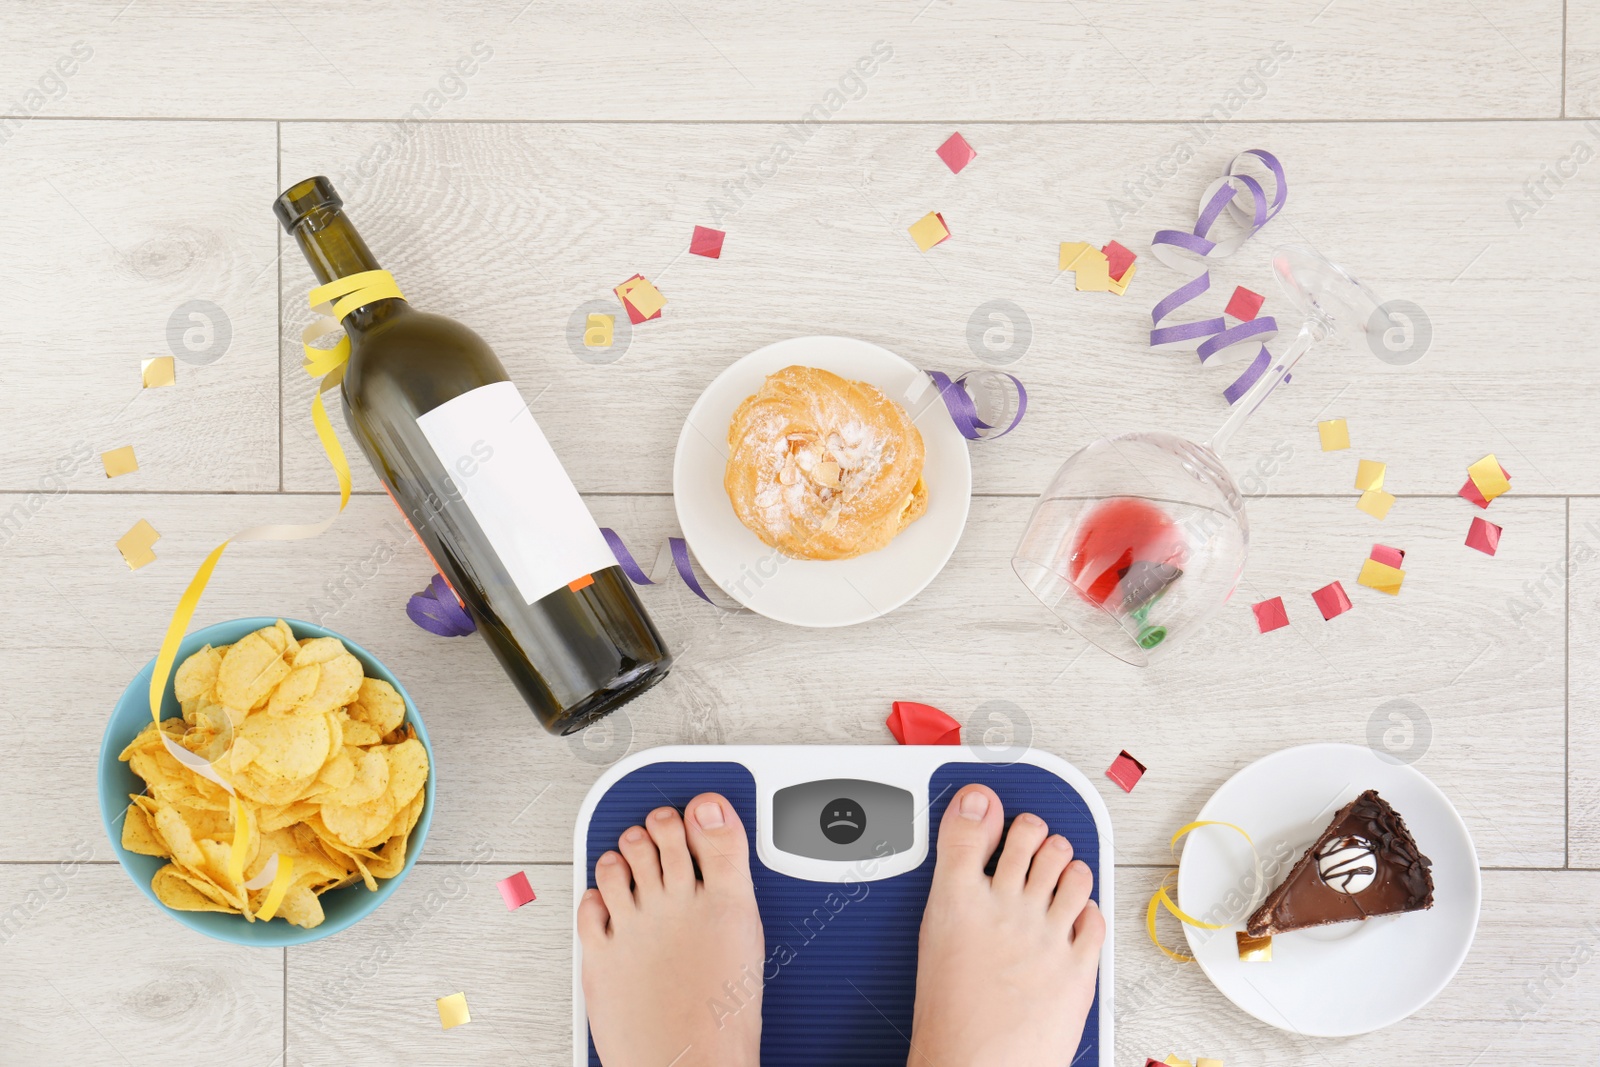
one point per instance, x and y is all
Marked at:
(842, 847)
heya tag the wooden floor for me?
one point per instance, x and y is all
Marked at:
(514, 160)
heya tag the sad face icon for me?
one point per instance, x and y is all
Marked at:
(843, 821)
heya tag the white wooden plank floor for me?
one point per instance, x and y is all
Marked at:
(511, 161)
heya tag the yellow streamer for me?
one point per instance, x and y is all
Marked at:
(333, 301)
(280, 886)
(1162, 899)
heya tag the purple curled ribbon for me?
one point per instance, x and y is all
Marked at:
(964, 413)
(680, 560)
(437, 610)
(1213, 335)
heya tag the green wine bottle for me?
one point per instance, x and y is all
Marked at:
(464, 460)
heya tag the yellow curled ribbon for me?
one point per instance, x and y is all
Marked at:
(333, 302)
(1163, 899)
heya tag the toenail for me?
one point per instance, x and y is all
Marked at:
(1059, 844)
(634, 834)
(609, 858)
(661, 814)
(974, 804)
(709, 815)
(1030, 819)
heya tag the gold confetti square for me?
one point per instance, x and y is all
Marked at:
(1369, 474)
(1090, 269)
(1485, 474)
(1335, 434)
(928, 231)
(1376, 502)
(1382, 577)
(645, 298)
(1254, 949)
(453, 1011)
(1070, 251)
(157, 372)
(136, 545)
(1207, 1061)
(119, 461)
(1121, 287)
(597, 331)
(1173, 1060)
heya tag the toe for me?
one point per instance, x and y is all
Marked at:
(968, 832)
(666, 830)
(614, 880)
(1027, 833)
(592, 920)
(643, 860)
(1089, 933)
(717, 839)
(1048, 863)
(1072, 892)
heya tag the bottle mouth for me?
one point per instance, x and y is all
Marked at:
(304, 200)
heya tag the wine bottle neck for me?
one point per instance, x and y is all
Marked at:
(313, 213)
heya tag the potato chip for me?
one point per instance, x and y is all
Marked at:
(139, 836)
(295, 689)
(319, 755)
(196, 676)
(249, 670)
(179, 894)
(292, 747)
(379, 705)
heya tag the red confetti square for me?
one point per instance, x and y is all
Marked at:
(1483, 536)
(1118, 260)
(1470, 490)
(1125, 771)
(1389, 557)
(516, 891)
(922, 724)
(1270, 615)
(1245, 304)
(1331, 600)
(706, 242)
(956, 153)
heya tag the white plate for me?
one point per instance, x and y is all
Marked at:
(819, 592)
(1348, 978)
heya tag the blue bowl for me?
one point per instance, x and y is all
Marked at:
(342, 907)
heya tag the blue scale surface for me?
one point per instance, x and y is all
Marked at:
(845, 997)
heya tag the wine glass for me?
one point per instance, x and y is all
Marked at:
(1140, 538)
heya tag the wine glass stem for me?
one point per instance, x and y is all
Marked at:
(1269, 380)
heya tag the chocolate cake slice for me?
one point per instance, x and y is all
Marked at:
(1365, 863)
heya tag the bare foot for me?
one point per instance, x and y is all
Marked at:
(672, 965)
(1006, 965)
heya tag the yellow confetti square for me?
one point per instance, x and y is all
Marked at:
(645, 298)
(1369, 474)
(119, 461)
(157, 372)
(597, 331)
(453, 1011)
(1381, 576)
(1335, 434)
(1121, 287)
(1254, 949)
(1090, 268)
(929, 230)
(1172, 1060)
(1485, 474)
(1207, 1061)
(1376, 502)
(136, 545)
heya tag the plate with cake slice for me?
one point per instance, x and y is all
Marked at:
(1365, 901)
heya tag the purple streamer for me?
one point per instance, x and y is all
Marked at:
(437, 610)
(1215, 334)
(680, 560)
(964, 413)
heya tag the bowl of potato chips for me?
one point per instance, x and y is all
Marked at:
(286, 792)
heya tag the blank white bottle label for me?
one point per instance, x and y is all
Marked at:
(511, 480)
